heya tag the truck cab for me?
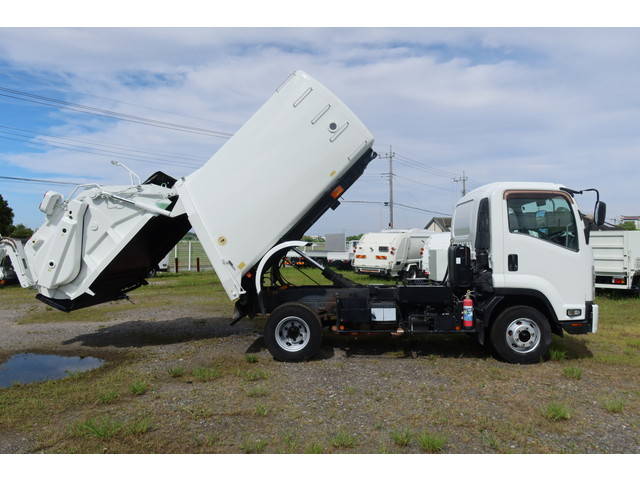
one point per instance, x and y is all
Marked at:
(529, 247)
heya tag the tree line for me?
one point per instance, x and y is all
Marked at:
(7, 228)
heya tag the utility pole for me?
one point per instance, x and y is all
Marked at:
(462, 179)
(390, 156)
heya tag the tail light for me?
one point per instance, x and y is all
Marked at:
(619, 281)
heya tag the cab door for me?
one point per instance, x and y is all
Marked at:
(545, 250)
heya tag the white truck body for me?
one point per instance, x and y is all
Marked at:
(616, 258)
(435, 256)
(390, 252)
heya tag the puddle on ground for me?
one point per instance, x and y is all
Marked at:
(34, 367)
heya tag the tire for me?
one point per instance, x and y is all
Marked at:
(293, 333)
(529, 333)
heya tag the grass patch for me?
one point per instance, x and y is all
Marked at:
(350, 390)
(205, 374)
(490, 440)
(572, 372)
(261, 410)
(431, 443)
(176, 372)
(402, 438)
(108, 397)
(257, 392)
(343, 440)
(253, 446)
(556, 412)
(254, 375)
(102, 428)
(290, 442)
(314, 449)
(139, 388)
(613, 405)
(635, 344)
(557, 355)
(138, 427)
(251, 358)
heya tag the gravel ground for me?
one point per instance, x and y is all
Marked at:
(356, 397)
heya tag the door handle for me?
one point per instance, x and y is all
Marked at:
(512, 262)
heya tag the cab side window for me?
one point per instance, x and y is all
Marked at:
(546, 216)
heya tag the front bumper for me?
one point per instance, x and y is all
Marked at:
(588, 325)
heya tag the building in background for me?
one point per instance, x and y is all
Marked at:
(439, 224)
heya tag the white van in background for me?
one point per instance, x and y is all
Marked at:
(391, 253)
(434, 256)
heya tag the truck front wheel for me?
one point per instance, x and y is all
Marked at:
(521, 334)
(293, 333)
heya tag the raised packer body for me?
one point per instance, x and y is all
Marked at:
(285, 167)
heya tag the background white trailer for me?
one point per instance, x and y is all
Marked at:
(616, 258)
(391, 252)
(435, 256)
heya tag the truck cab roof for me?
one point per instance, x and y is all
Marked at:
(500, 187)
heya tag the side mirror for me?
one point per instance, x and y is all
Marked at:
(600, 213)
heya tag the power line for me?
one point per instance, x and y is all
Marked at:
(423, 209)
(435, 170)
(422, 183)
(411, 207)
(96, 151)
(77, 107)
(37, 180)
(178, 156)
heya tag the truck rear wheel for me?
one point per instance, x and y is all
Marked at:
(293, 333)
(521, 334)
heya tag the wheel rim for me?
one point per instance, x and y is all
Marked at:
(523, 335)
(292, 334)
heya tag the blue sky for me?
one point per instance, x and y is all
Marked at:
(556, 105)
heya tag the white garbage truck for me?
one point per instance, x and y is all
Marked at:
(519, 267)
(391, 253)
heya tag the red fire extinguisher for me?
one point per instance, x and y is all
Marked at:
(467, 311)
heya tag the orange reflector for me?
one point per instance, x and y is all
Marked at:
(337, 191)
(341, 327)
(381, 257)
(361, 256)
(249, 275)
(457, 327)
(576, 324)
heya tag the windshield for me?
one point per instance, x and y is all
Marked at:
(544, 215)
